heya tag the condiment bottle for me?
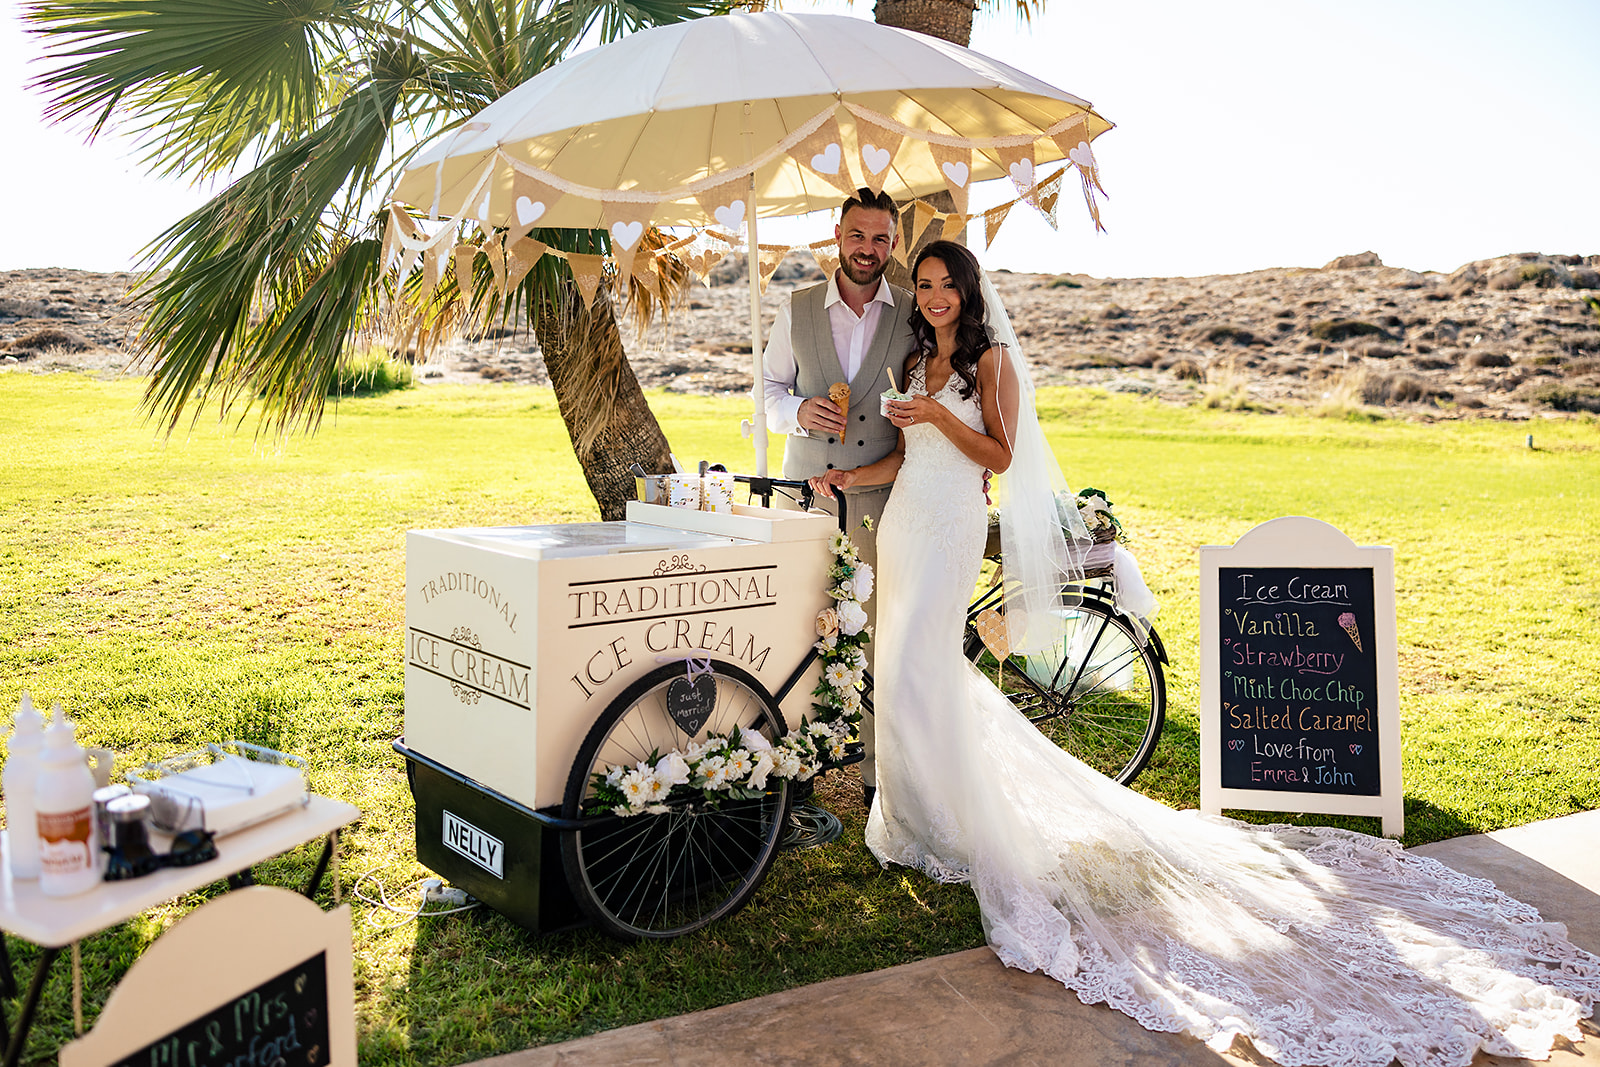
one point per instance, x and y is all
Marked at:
(18, 781)
(64, 809)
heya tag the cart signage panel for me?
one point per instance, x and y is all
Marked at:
(1299, 674)
(485, 850)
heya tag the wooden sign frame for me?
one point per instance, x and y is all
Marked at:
(215, 956)
(1311, 545)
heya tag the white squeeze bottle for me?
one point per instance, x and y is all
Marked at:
(64, 808)
(22, 771)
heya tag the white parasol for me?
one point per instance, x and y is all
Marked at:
(719, 120)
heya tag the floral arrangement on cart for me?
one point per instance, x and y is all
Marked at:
(739, 764)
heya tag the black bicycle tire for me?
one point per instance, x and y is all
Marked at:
(576, 863)
(1146, 648)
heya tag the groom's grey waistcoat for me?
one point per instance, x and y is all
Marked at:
(868, 436)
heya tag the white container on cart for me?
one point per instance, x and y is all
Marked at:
(64, 812)
(518, 638)
(21, 775)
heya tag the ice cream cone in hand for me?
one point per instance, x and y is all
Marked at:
(839, 393)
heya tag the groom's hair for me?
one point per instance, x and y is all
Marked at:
(866, 198)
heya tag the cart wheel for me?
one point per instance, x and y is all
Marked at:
(659, 876)
(1101, 695)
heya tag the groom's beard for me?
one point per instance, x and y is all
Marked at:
(860, 276)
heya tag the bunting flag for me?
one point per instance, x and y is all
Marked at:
(1020, 168)
(520, 258)
(902, 247)
(992, 220)
(496, 251)
(587, 271)
(432, 269)
(625, 224)
(1047, 195)
(400, 225)
(726, 203)
(955, 164)
(768, 258)
(922, 216)
(955, 225)
(875, 147)
(531, 200)
(823, 154)
(826, 253)
(464, 254)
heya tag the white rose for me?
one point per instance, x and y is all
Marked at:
(852, 617)
(764, 764)
(827, 623)
(863, 581)
(672, 769)
(753, 740)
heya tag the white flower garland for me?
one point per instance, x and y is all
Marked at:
(738, 765)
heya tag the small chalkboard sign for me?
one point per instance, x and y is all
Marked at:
(1299, 674)
(282, 1022)
(257, 976)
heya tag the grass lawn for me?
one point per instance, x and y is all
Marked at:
(172, 592)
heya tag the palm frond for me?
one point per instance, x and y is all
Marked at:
(206, 78)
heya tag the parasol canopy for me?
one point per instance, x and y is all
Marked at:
(718, 121)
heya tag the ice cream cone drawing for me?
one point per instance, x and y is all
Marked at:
(1348, 621)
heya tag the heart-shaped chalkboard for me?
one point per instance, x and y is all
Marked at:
(690, 703)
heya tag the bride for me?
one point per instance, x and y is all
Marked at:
(1322, 946)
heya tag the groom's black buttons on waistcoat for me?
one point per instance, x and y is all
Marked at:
(860, 442)
(863, 418)
(830, 466)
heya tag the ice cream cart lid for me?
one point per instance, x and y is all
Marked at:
(579, 539)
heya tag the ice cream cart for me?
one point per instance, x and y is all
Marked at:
(540, 656)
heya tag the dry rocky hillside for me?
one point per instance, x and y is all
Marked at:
(1517, 336)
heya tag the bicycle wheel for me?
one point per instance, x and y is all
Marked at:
(1101, 695)
(660, 876)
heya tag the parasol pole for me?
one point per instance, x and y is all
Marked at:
(758, 425)
(757, 363)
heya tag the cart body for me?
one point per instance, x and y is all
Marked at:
(517, 638)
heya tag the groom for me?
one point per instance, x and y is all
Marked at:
(853, 329)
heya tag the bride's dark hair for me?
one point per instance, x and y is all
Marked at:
(972, 329)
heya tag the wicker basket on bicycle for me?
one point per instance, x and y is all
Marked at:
(1096, 562)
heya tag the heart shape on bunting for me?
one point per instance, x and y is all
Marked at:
(730, 216)
(957, 173)
(691, 702)
(827, 161)
(877, 159)
(529, 211)
(996, 636)
(627, 234)
(1021, 174)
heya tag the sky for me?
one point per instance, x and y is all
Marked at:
(1249, 135)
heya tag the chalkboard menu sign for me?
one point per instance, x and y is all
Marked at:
(1299, 675)
(282, 1022)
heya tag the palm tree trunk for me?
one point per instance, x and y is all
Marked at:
(949, 20)
(607, 417)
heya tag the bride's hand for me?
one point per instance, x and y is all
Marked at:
(823, 484)
(917, 410)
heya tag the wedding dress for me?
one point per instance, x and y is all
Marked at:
(1323, 946)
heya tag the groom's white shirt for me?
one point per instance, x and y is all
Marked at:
(852, 336)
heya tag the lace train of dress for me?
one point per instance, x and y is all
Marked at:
(1325, 947)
